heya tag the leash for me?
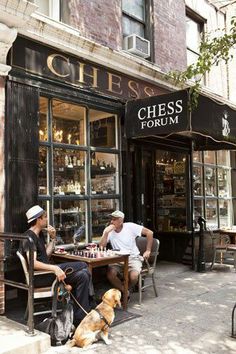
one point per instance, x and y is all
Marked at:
(68, 271)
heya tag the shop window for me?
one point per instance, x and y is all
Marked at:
(194, 34)
(197, 181)
(212, 188)
(77, 183)
(100, 214)
(104, 177)
(102, 130)
(171, 191)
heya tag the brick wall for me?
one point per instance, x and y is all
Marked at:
(2, 179)
(98, 20)
(101, 22)
(170, 34)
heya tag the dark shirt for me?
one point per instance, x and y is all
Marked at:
(38, 247)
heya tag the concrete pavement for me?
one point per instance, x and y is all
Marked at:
(192, 315)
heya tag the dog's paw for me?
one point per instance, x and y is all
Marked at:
(107, 341)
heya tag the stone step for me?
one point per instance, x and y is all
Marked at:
(14, 339)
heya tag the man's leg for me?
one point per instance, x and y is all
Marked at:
(112, 276)
(80, 279)
(135, 265)
(133, 278)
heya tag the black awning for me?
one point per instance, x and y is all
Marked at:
(212, 125)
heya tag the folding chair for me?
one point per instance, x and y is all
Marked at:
(149, 265)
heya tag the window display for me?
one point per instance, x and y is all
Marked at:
(73, 176)
(101, 208)
(104, 178)
(214, 201)
(69, 220)
(69, 172)
(171, 191)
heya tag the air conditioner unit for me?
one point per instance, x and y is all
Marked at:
(137, 45)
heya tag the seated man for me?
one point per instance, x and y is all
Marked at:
(79, 278)
(122, 236)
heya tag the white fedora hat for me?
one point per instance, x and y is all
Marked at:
(34, 213)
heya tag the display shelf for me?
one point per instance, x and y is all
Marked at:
(171, 197)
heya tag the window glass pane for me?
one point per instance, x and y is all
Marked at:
(43, 6)
(101, 208)
(135, 8)
(102, 129)
(43, 110)
(132, 27)
(210, 181)
(191, 57)
(223, 183)
(225, 213)
(42, 171)
(104, 173)
(198, 211)
(197, 180)
(211, 213)
(223, 158)
(193, 34)
(170, 179)
(64, 12)
(69, 220)
(197, 156)
(210, 157)
(69, 171)
(68, 124)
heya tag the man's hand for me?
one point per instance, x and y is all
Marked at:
(59, 273)
(51, 231)
(146, 254)
(109, 228)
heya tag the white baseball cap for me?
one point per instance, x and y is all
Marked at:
(117, 214)
(34, 213)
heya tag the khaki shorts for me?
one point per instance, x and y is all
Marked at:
(135, 264)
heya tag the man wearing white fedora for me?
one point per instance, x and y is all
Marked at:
(79, 278)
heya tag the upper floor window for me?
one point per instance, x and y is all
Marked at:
(135, 23)
(56, 9)
(133, 19)
(194, 33)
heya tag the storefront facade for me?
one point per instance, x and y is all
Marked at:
(65, 145)
(65, 118)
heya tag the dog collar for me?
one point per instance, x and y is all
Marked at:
(102, 317)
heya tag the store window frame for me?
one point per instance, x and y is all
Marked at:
(207, 200)
(49, 198)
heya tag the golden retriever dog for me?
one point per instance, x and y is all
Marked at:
(96, 324)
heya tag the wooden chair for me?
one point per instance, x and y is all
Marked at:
(223, 248)
(149, 265)
(39, 293)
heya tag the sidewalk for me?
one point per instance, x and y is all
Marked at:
(191, 315)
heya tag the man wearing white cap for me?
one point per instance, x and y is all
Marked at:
(122, 236)
(80, 277)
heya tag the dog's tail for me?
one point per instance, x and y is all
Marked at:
(71, 343)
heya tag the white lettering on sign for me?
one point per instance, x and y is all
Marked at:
(161, 114)
(159, 122)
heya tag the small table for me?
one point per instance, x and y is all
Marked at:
(99, 262)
